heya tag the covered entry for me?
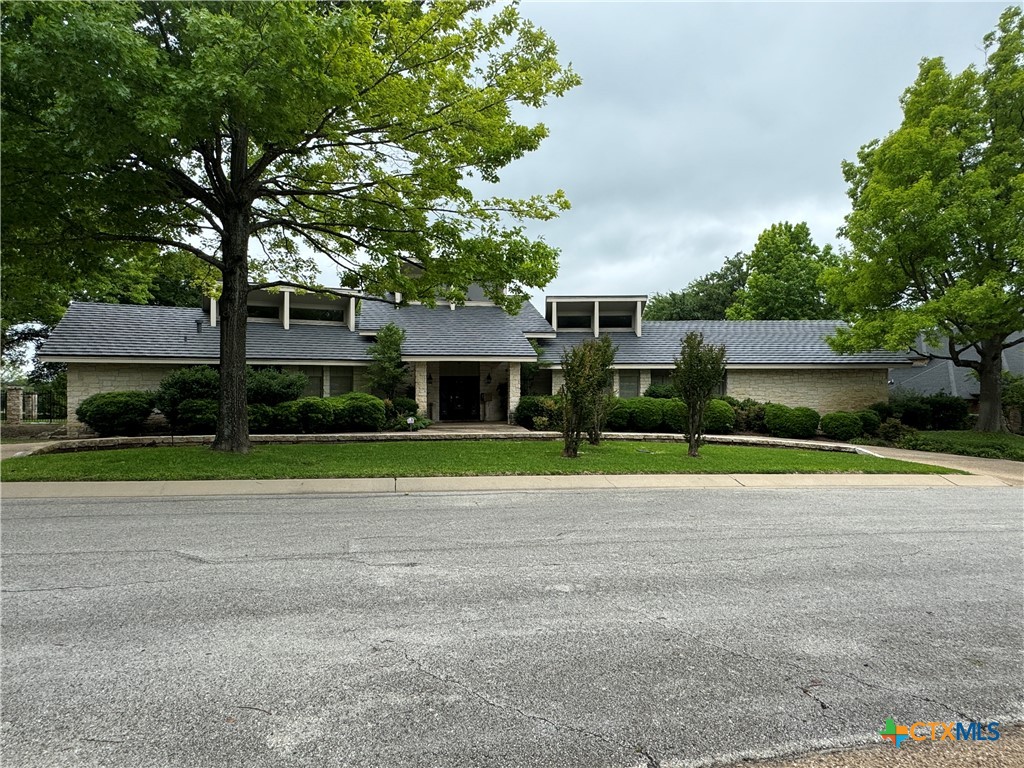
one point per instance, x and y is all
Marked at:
(459, 392)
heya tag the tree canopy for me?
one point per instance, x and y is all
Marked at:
(255, 135)
(937, 223)
(782, 282)
(706, 298)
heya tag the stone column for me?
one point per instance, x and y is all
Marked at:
(421, 387)
(514, 382)
(615, 382)
(32, 407)
(14, 395)
(557, 379)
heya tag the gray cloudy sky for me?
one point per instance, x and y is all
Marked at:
(698, 125)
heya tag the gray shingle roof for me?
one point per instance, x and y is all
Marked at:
(124, 330)
(942, 376)
(466, 331)
(747, 342)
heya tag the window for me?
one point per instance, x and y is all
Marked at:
(264, 312)
(629, 383)
(616, 321)
(661, 377)
(573, 321)
(311, 313)
(341, 381)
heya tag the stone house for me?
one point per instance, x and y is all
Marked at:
(466, 362)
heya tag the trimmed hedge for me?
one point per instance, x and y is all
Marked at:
(268, 386)
(783, 421)
(357, 412)
(115, 413)
(197, 417)
(842, 425)
(719, 418)
(660, 391)
(199, 383)
(532, 407)
(261, 419)
(870, 422)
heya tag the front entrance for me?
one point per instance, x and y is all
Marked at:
(460, 398)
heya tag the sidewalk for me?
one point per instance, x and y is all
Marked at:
(123, 489)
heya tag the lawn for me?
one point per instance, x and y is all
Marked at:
(967, 443)
(433, 459)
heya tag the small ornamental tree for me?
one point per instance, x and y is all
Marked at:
(387, 372)
(700, 369)
(587, 371)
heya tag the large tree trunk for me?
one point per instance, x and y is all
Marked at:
(990, 404)
(233, 421)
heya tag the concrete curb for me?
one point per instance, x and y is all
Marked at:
(123, 489)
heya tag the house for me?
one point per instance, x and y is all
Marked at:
(936, 375)
(466, 362)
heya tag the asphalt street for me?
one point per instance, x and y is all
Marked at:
(590, 628)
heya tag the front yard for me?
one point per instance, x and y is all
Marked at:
(436, 459)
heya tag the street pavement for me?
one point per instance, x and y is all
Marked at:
(637, 627)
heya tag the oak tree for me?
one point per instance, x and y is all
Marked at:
(937, 225)
(257, 136)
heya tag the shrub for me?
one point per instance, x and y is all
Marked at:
(357, 412)
(646, 414)
(197, 417)
(660, 391)
(675, 417)
(529, 408)
(269, 386)
(783, 421)
(947, 411)
(286, 417)
(315, 414)
(620, 415)
(115, 413)
(912, 409)
(406, 406)
(540, 423)
(883, 409)
(199, 383)
(719, 418)
(893, 430)
(870, 422)
(750, 417)
(842, 425)
(261, 418)
(732, 401)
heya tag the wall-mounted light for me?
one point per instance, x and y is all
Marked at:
(430, 379)
(488, 380)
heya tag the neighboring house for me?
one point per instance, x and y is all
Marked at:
(466, 362)
(934, 376)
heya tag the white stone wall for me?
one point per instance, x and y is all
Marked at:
(823, 390)
(86, 379)
(514, 388)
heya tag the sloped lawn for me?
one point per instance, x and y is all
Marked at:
(433, 459)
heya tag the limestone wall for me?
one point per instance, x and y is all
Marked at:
(86, 379)
(823, 390)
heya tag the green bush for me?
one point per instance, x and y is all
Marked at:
(883, 409)
(893, 430)
(783, 421)
(620, 415)
(198, 383)
(647, 414)
(674, 416)
(529, 408)
(719, 418)
(285, 419)
(406, 406)
(261, 419)
(912, 409)
(841, 425)
(115, 413)
(870, 422)
(357, 412)
(660, 391)
(197, 417)
(947, 411)
(309, 415)
(269, 386)
(750, 417)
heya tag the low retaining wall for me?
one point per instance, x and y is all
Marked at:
(110, 443)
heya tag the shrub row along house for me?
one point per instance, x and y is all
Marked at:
(467, 363)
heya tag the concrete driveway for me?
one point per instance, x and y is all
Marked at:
(590, 629)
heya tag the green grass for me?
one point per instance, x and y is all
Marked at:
(431, 459)
(967, 443)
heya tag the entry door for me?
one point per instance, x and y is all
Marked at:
(460, 398)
